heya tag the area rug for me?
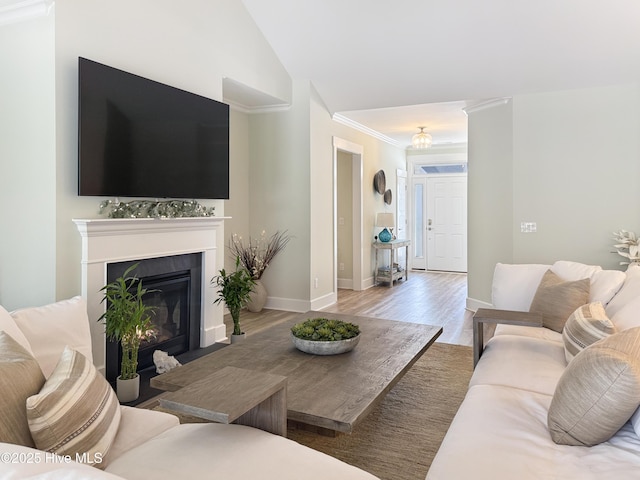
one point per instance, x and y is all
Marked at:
(399, 439)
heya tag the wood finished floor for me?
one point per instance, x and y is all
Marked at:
(432, 298)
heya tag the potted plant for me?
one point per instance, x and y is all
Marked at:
(234, 289)
(323, 336)
(127, 320)
(256, 256)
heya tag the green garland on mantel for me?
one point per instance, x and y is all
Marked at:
(155, 209)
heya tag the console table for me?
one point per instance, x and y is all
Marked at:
(381, 274)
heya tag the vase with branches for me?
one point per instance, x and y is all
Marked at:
(257, 254)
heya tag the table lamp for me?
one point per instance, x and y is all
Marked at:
(386, 221)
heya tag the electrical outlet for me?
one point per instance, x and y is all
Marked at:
(528, 227)
(341, 266)
(315, 282)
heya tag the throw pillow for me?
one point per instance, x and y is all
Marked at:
(76, 412)
(20, 377)
(556, 299)
(598, 392)
(11, 328)
(588, 324)
(52, 327)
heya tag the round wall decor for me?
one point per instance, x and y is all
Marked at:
(388, 197)
(379, 182)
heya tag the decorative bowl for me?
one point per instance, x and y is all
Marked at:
(324, 347)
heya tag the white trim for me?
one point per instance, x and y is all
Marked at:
(494, 102)
(255, 110)
(25, 10)
(473, 304)
(364, 129)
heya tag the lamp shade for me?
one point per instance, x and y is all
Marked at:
(385, 220)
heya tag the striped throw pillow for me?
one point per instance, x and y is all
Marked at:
(20, 377)
(588, 324)
(76, 413)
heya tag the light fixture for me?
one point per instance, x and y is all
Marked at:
(386, 221)
(421, 139)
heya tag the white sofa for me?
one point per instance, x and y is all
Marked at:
(147, 444)
(501, 429)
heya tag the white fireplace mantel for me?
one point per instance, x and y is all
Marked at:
(111, 240)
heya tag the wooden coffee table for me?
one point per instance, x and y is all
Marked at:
(331, 392)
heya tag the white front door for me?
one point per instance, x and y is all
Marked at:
(446, 223)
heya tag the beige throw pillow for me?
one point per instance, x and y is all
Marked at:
(76, 412)
(588, 324)
(598, 391)
(20, 377)
(556, 299)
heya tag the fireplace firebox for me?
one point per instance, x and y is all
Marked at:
(174, 290)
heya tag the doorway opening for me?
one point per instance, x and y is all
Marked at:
(347, 215)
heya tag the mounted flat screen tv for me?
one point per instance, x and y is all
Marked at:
(141, 138)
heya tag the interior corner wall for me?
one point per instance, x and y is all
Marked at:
(27, 169)
(567, 161)
(490, 196)
(237, 207)
(279, 182)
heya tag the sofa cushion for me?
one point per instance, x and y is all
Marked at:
(514, 285)
(137, 425)
(629, 291)
(8, 325)
(556, 299)
(52, 327)
(569, 270)
(598, 392)
(76, 412)
(533, 364)
(20, 377)
(605, 284)
(213, 450)
(588, 324)
(501, 433)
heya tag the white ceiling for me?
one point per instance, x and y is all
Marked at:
(367, 58)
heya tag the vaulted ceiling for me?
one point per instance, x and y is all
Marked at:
(393, 66)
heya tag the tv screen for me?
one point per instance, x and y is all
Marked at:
(141, 138)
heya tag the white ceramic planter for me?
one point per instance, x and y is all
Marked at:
(325, 348)
(128, 390)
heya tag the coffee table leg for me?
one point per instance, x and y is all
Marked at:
(269, 415)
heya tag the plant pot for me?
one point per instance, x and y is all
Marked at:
(237, 338)
(258, 297)
(325, 347)
(128, 390)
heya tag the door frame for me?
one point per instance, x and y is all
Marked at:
(356, 152)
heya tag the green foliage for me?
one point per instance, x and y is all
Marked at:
(234, 289)
(126, 318)
(323, 329)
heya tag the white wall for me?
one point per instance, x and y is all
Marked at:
(572, 168)
(27, 164)
(191, 47)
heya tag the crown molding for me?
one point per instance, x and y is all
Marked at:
(239, 107)
(369, 131)
(25, 10)
(494, 102)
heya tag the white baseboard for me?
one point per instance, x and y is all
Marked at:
(473, 304)
(288, 304)
(346, 283)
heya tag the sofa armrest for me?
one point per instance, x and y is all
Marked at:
(507, 317)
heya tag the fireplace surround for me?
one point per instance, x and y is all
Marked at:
(106, 241)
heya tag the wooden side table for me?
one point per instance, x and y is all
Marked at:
(235, 395)
(390, 276)
(506, 317)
